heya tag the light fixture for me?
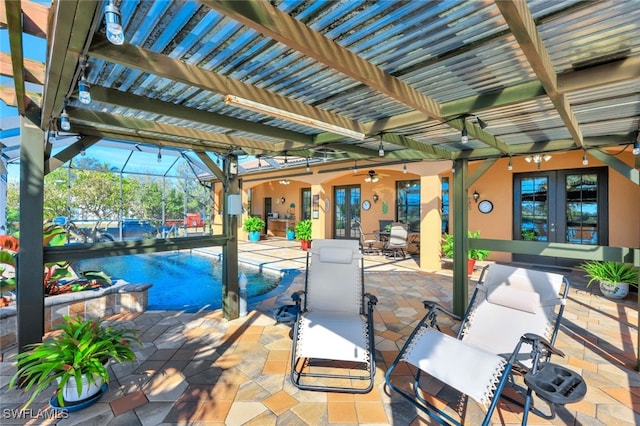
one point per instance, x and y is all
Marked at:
(355, 166)
(510, 166)
(84, 94)
(113, 21)
(308, 168)
(375, 198)
(282, 200)
(585, 160)
(65, 124)
(286, 160)
(381, 150)
(290, 116)
(284, 182)
(324, 159)
(476, 196)
(483, 125)
(159, 154)
(372, 177)
(82, 151)
(537, 158)
(464, 135)
(404, 168)
(636, 148)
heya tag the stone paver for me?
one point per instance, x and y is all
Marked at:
(198, 368)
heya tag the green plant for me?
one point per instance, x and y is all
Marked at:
(253, 224)
(303, 230)
(610, 271)
(83, 347)
(447, 247)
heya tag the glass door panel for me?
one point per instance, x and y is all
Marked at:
(346, 212)
(564, 206)
(582, 208)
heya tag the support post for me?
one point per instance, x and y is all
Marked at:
(230, 286)
(30, 263)
(460, 239)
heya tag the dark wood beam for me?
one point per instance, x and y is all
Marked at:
(523, 27)
(269, 20)
(157, 64)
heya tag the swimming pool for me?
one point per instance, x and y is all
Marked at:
(184, 280)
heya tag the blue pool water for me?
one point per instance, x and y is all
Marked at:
(182, 280)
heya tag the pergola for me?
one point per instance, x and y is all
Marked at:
(357, 79)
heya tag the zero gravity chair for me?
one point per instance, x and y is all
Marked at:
(333, 346)
(510, 327)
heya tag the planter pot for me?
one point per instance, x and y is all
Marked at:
(291, 235)
(471, 263)
(254, 236)
(614, 290)
(70, 390)
(306, 245)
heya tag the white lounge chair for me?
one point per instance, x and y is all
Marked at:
(511, 323)
(333, 346)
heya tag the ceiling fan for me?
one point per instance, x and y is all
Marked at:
(372, 176)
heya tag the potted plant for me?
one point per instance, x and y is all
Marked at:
(253, 225)
(74, 359)
(291, 233)
(303, 233)
(472, 254)
(614, 277)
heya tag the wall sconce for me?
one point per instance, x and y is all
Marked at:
(476, 196)
(282, 200)
(375, 198)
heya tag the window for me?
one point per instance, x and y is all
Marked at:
(445, 204)
(408, 203)
(305, 209)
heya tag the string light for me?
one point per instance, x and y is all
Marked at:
(381, 150)
(159, 154)
(65, 124)
(113, 21)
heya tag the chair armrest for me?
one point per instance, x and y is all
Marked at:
(435, 306)
(373, 300)
(297, 296)
(539, 342)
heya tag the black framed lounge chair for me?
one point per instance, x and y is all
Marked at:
(333, 345)
(510, 326)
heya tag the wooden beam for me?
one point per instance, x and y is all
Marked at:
(213, 167)
(619, 166)
(432, 150)
(143, 103)
(70, 27)
(8, 96)
(35, 17)
(68, 153)
(158, 64)
(33, 70)
(140, 126)
(523, 27)
(269, 20)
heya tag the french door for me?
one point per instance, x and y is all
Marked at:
(346, 211)
(565, 206)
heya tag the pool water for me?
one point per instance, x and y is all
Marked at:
(181, 280)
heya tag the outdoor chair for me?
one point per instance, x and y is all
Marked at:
(509, 327)
(398, 241)
(333, 346)
(369, 243)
